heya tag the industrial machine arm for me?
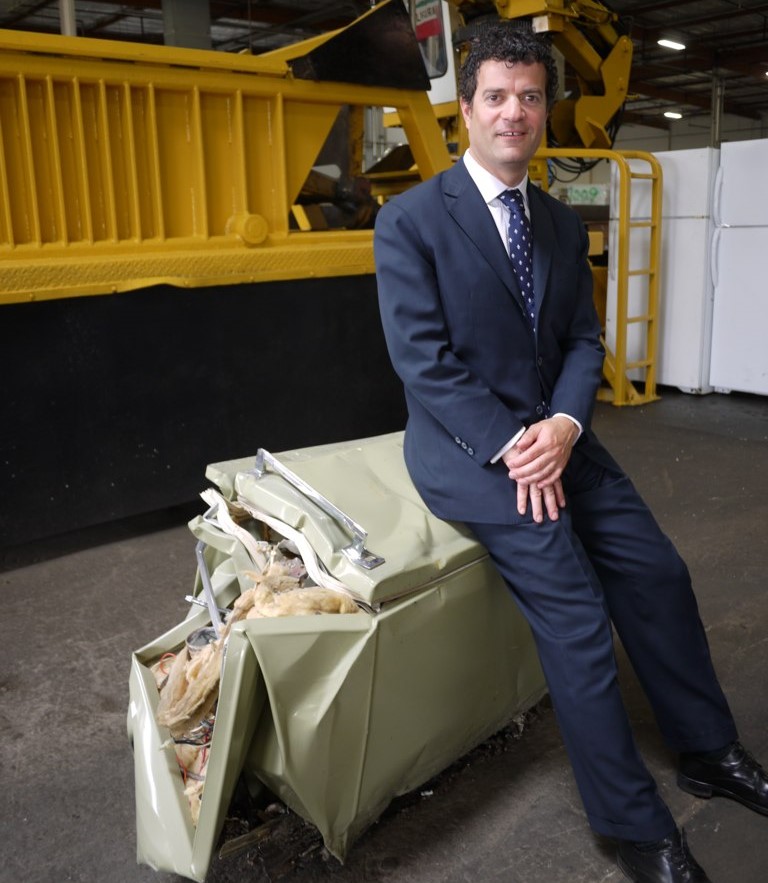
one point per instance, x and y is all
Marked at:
(589, 37)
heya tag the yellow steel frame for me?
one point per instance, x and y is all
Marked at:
(124, 165)
(621, 389)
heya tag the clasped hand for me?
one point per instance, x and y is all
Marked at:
(536, 463)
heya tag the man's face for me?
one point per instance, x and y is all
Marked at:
(507, 117)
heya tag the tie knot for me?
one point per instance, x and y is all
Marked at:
(513, 200)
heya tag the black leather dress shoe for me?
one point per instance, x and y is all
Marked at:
(668, 861)
(737, 775)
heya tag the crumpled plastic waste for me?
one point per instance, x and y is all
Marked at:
(188, 681)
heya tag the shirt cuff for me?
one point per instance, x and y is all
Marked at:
(573, 420)
(510, 444)
(516, 438)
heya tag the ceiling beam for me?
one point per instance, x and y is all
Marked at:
(706, 18)
(639, 119)
(643, 9)
(670, 96)
(672, 67)
(753, 38)
(745, 57)
(327, 17)
(106, 21)
(751, 61)
(18, 13)
(692, 99)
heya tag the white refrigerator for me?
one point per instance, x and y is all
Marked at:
(685, 284)
(740, 269)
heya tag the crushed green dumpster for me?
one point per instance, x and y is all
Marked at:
(346, 664)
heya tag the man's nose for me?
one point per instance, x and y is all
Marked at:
(513, 108)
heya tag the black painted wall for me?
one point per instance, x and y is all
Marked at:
(113, 406)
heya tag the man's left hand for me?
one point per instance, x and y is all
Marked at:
(541, 454)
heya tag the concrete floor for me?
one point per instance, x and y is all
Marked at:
(74, 608)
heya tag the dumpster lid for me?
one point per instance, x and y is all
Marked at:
(367, 480)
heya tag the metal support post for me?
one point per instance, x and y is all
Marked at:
(718, 102)
(187, 23)
(67, 16)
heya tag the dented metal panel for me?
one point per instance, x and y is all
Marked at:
(338, 714)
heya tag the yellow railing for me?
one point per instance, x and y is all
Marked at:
(631, 348)
(124, 165)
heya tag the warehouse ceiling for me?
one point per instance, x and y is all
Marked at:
(235, 26)
(726, 41)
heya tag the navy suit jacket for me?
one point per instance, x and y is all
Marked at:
(457, 333)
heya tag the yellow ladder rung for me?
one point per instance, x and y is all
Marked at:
(647, 176)
(634, 319)
(646, 272)
(640, 363)
(641, 224)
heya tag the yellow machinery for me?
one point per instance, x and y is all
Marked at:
(193, 180)
(178, 189)
(586, 33)
(122, 166)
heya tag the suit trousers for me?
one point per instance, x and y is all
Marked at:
(605, 560)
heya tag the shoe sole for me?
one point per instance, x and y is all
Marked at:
(630, 874)
(703, 789)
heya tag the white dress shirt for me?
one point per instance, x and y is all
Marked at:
(490, 187)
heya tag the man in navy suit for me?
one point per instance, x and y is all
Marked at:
(500, 385)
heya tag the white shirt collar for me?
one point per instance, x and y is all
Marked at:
(489, 185)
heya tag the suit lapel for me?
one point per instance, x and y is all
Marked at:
(543, 242)
(467, 207)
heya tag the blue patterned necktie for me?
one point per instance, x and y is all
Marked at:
(520, 250)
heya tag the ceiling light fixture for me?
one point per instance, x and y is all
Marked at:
(672, 115)
(671, 44)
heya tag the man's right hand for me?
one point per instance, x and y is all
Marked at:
(549, 499)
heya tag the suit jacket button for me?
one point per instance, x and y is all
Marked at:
(470, 451)
(457, 440)
(539, 410)
(464, 445)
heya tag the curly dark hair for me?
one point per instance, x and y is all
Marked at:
(510, 43)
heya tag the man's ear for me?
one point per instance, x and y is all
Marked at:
(466, 111)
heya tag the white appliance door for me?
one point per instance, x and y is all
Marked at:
(687, 184)
(740, 315)
(741, 191)
(685, 305)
